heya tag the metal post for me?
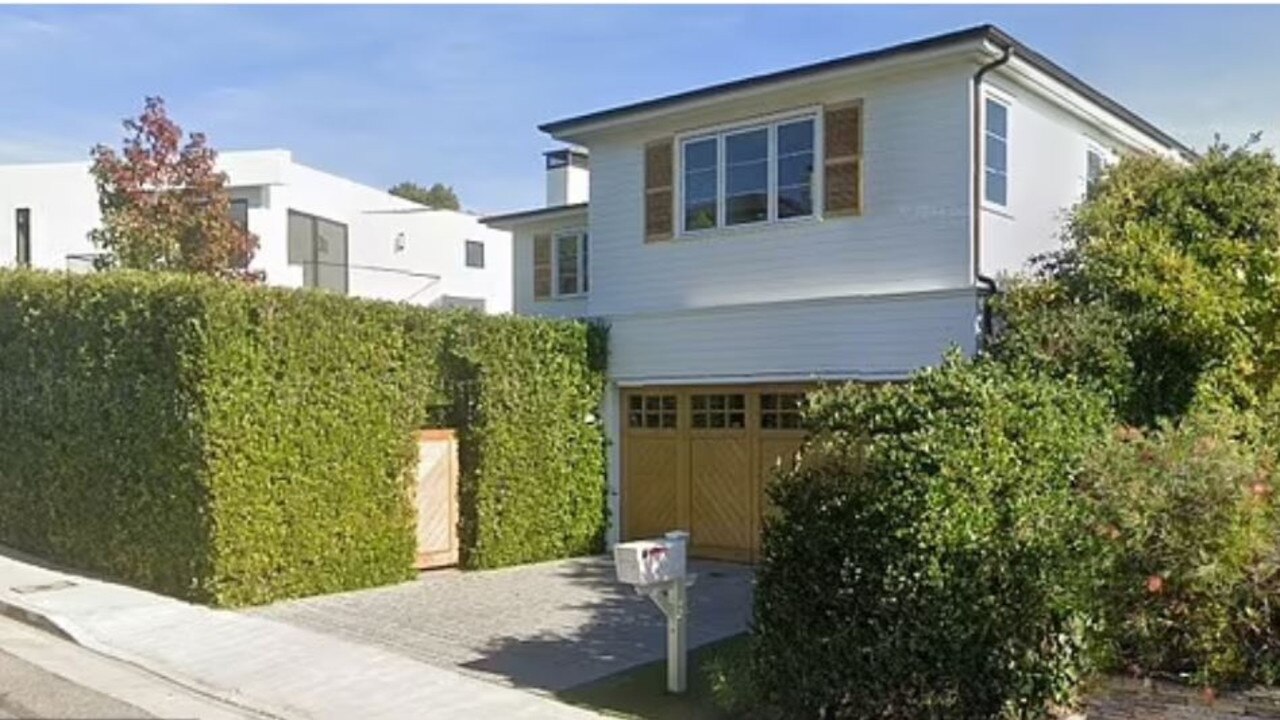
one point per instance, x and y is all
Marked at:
(677, 666)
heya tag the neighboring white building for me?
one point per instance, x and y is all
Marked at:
(842, 220)
(314, 230)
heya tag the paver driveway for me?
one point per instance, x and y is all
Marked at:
(550, 626)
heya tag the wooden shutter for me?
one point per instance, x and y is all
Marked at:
(842, 165)
(659, 196)
(541, 267)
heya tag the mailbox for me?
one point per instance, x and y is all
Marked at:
(649, 562)
(657, 568)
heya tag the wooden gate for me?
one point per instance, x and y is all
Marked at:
(436, 499)
(698, 459)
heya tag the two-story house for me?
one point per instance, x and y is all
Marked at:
(838, 221)
(315, 230)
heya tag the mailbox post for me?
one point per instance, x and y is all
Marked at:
(658, 568)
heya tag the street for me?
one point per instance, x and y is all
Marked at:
(43, 676)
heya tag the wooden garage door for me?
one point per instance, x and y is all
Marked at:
(698, 459)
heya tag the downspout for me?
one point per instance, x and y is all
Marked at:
(989, 286)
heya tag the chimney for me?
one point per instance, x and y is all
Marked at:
(567, 177)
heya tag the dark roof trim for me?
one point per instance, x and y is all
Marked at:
(989, 33)
(538, 214)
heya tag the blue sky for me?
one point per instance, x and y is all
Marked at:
(454, 93)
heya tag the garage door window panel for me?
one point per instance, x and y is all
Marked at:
(719, 412)
(652, 412)
(780, 411)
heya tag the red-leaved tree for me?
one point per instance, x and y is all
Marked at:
(164, 205)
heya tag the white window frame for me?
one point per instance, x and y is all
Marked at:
(583, 263)
(720, 132)
(1007, 104)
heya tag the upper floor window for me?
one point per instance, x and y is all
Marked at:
(996, 153)
(1094, 165)
(22, 232)
(748, 175)
(560, 265)
(475, 254)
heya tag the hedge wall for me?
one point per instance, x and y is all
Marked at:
(235, 445)
(531, 449)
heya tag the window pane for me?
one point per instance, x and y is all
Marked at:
(700, 215)
(747, 208)
(997, 154)
(331, 255)
(747, 178)
(745, 147)
(795, 201)
(997, 118)
(795, 170)
(700, 154)
(239, 210)
(567, 264)
(700, 185)
(997, 187)
(475, 254)
(795, 137)
(586, 263)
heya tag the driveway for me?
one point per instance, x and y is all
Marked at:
(550, 626)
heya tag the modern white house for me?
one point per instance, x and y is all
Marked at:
(838, 221)
(314, 229)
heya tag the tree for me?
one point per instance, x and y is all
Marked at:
(438, 196)
(1178, 265)
(164, 206)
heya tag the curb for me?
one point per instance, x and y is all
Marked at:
(34, 619)
(14, 610)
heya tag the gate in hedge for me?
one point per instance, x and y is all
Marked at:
(436, 499)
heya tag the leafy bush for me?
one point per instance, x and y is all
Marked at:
(1188, 257)
(234, 444)
(1190, 526)
(921, 558)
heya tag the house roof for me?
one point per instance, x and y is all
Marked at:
(547, 213)
(988, 33)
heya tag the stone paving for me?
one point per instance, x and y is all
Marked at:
(550, 626)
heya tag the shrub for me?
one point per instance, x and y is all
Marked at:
(234, 444)
(1190, 528)
(920, 561)
(1187, 256)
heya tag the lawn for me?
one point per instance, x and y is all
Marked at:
(642, 692)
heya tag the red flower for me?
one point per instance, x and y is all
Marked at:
(1155, 584)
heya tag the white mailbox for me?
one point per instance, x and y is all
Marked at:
(657, 568)
(649, 562)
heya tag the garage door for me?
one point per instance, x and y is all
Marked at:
(698, 459)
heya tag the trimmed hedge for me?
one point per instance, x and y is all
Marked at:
(921, 561)
(531, 448)
(234, 445)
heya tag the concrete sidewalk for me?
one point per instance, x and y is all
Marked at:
(254, 662)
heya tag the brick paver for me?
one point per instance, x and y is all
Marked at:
(550, 626)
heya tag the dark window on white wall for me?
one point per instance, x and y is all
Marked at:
(320, 247)
(570, 264)
(240, 213)
(22, 232)
(997, 152)
(475, 254)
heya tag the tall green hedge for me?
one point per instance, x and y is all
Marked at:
(235, 445)
(533, 465)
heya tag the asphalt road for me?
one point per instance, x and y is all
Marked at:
(29, 691)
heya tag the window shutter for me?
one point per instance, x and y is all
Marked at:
(842, 164)
(541, 267)
(659, 198)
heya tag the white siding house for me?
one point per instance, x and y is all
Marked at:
(373, 244)
(837, 221)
